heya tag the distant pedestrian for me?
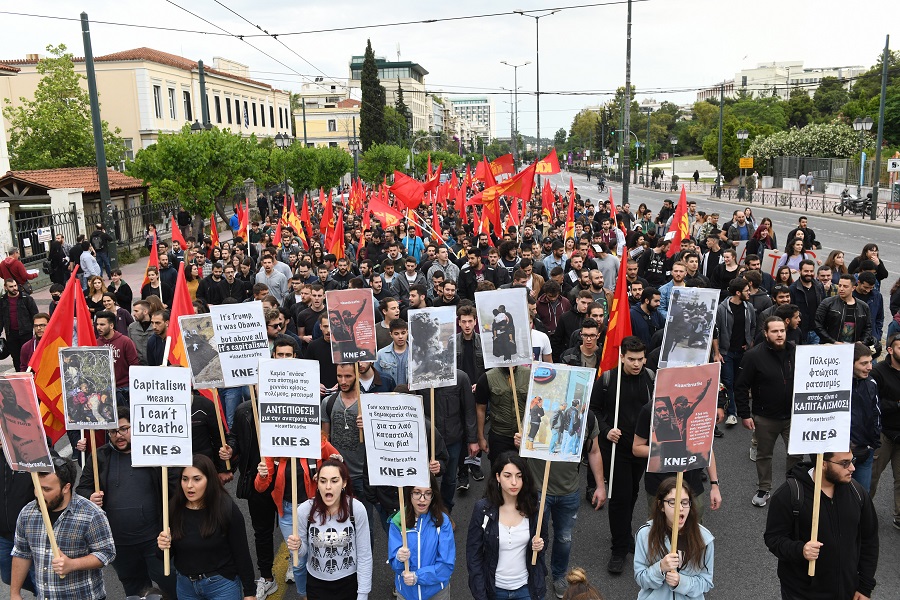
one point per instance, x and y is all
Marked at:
(810, 182)
(696, 177)
(802, 181)
(100, 241)
(12, 268)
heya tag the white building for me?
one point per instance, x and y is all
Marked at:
(779, 78)
(479, 112)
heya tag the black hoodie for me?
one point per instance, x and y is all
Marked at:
(848, 530)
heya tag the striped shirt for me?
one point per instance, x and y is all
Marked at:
(81, 529)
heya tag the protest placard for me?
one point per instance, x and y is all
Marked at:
(689, 327)
(21, 432)
(289, 420)
(396, 448)
(820, 411)
(200, 346)
(351, 318)
(240, 331)
(683, 418)
(503, 325)
(556, 415)
(432, 347)
(88, 387)
(160, 416)
(769, 260)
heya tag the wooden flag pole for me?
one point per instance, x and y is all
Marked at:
(358, 402)
(94, 462)
(612, 459)
(255, 416)
(403, 525)
(218, 408)
(83, 436)
(165, 509)
(512, 383)
(679, 484)
(39, 494)
(296, 530)
(540, 522)
(433, 453)
(817, 499)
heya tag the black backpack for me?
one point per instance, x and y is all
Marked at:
(796, 491)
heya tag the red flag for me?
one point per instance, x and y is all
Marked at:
(547, 205)
(503, 165)
(176, 234)
(386, 214)
(433, 180)
(152, 260)
(570, 216)
(337, 238)
(680, 225)
(549, 165)
(45, 360)
(429, 165)
(484, 173)
(181, 305)
(243, 220)
(619, 326)
(407, 190)
(327, 222)
(305, 220)
(514, 212)
(213, 231)
(436, 224)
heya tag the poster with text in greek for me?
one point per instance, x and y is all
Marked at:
(161, 417)
(820, 411)
(21, 432)
(396, 446)
(199, 338)
(556, 417)
(432, 347)
(289, 421)
(504, 327)
(240, 331)
(683, 418)
(689, 327)
(351, 319)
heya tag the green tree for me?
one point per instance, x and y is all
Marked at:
(333, 163)
(380, 161)
(54, 129)
(199, 169)
(800, 108)
(559, 138)
(371, 114)
(451, 160)
(498, 148)
(396, 127)
(401, 107)
(830, 97)
(581, 134)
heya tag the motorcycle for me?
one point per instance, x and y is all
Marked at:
(850, 203)
(601, 186)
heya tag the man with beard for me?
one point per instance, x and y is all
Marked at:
(646, 319)
(343, 327)
(85, 541)
(846, 546)
(17, 312)
(807, 293)
(320, 350)
(132, 500)
(340, 279)
(210, 288)
(887, 375)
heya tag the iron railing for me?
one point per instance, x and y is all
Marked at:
(25, 226)
(131, 223)
(844, 171)
(887, 211)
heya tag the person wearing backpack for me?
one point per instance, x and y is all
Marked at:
(100, 241)
(846, 552)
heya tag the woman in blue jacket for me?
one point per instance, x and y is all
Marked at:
(662, 574)
(503, 534)
(431, 549)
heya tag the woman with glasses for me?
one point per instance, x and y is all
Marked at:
(661, 573)
(503, 534)
(431, 549)
(207, 538)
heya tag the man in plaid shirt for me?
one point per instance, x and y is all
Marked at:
(82, 532)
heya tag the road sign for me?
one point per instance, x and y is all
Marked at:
(746, 163)
(893, 165)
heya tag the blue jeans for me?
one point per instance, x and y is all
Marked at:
(210, 588)
(519, 594)
(730, 367)
(448, 479)
(286, 525)
(103, 261)
(863, 472)
(231, 398)
(563, 512)
(6, 546)
(555, 441)
(812, 338)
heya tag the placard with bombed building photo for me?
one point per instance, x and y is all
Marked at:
(432, 347)
(88, 387)
(198, 335)
(504, 328)
(689, 327)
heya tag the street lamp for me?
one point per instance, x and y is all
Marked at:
(516, 100)
(647, 148)
(354, 148)
(196, 127)
(283, 141)
(862, 126)
(674, 141)
(742, 135)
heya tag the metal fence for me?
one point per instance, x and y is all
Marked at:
(887, 211)
(131, 223)
(28, 225)
(844, 171)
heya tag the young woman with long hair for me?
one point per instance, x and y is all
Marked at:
(869, 252)
(123, 317)
(783, 276)
(503, 533)
(768, 223)
(665, 575)
(579, 588)
(207, 538)
(334, 538)
(793, 254)
(760, 241)
(192, 278)
(835, 261)
(431, 549)
(95, 291)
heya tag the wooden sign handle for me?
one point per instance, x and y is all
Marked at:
(165, 498)
(403, 525)
(679, 485)
(218, 407)
(39, 494)
(512, 384)
(433, 452)
(817, 499)
(93, 437)
(358, 399)
(540, 522)
(296, 530)
(256, 416)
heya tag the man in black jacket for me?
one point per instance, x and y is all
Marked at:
(17, 492)
(807, 293)
(473, 274)
(842, 318)
(21, 329)
(131, 497)
(210, 288)
(568, 323)
(887, 375)
(846, 552)
(232, 287)
(767, 374)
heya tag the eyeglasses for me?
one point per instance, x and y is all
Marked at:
(588, 336)
(843, 463)
(120, 431)
(426, 495)
(685, 503)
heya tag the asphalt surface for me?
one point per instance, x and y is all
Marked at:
(744, 568)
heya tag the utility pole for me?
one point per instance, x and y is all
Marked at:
(626, 116)
(303, 106)
(719, 164)
(355, 153)
(878, 142)
(647, 167)
(204, 105)
(100, 150)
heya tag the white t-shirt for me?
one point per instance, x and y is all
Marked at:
(540, 345)
(514, 543)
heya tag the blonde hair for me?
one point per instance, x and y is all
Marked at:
(579, 588)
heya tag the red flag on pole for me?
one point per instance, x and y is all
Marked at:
(570, 216)
(619, 326)
(547, 204)
(181, 305)
(408, 190)
(213, 231)
(337, 238)
(680, 224)
(153, 259)
(549, 165)
(176, 234)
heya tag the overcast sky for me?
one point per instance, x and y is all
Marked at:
(676, 44)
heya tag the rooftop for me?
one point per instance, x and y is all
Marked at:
(75, 177)
(9, 68)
